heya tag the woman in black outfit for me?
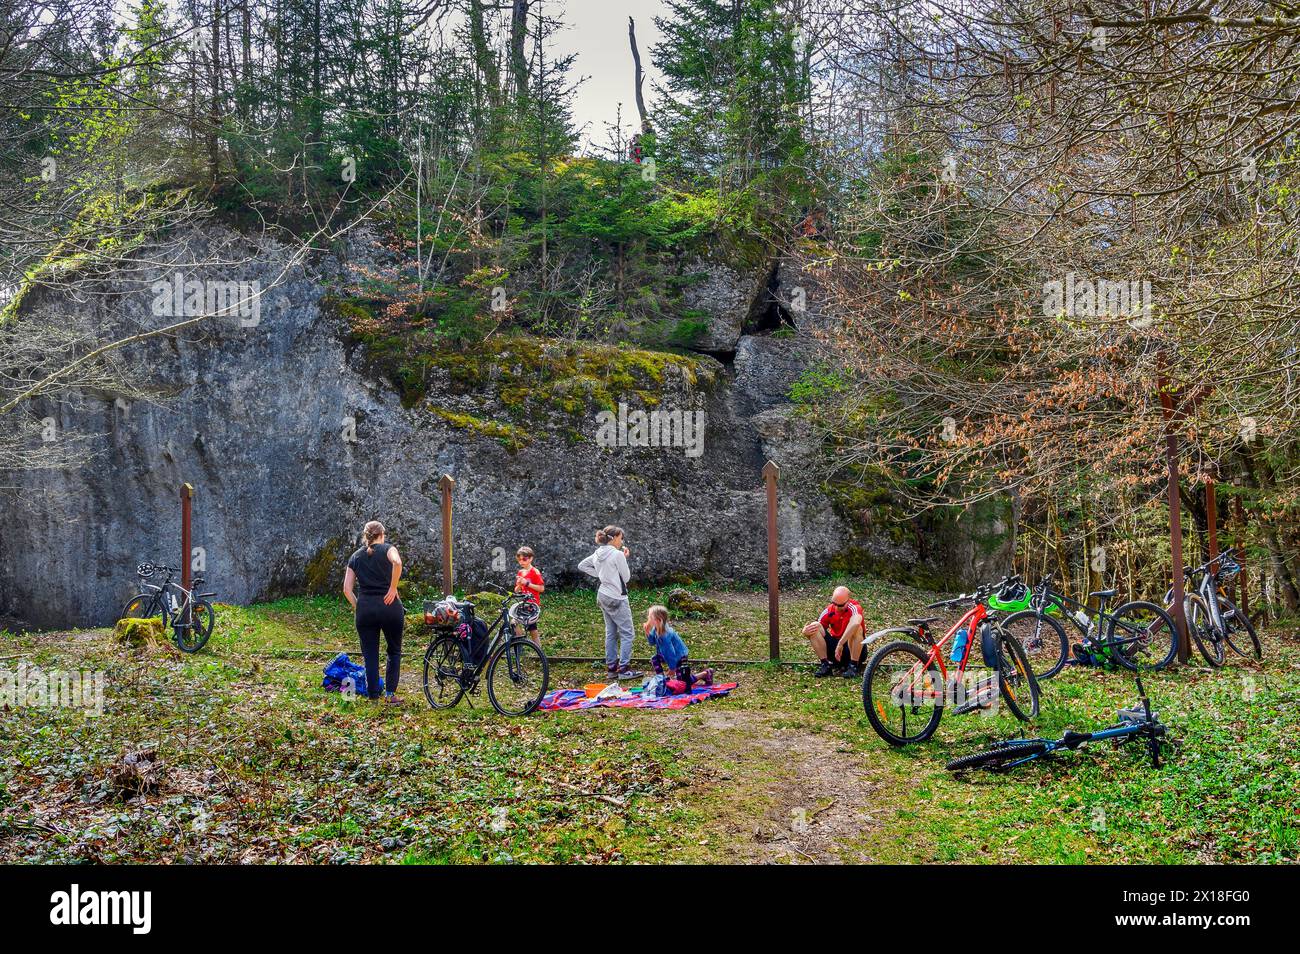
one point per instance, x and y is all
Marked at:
(373, 572)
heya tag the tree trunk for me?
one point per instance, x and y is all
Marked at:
(518, 39)
(638, 76)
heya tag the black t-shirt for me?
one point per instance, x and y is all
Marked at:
(373, 571)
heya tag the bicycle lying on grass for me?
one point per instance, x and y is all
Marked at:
(187, 613)
(1138, 634)
(462, 649)
(1139, 722)
(906, 685)
(1213, 620)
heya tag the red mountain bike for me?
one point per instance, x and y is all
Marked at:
(907, 684)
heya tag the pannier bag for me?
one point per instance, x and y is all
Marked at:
(473, 633)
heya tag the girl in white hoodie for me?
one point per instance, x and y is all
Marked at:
(609, 565)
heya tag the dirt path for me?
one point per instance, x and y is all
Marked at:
(781, 794)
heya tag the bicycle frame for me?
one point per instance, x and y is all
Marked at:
(1147, 725)
(1207, 586)
(1073, 740)
(1208, 591)
(1045, 598)
(501, 633)
(971, 619)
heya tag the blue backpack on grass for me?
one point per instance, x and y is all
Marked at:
(340, 669)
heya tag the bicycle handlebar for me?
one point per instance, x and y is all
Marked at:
(979, 596)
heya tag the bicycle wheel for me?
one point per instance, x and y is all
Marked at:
(192, 638)
(1043, 640)
(1016, 679)
(517, 677)
(998, 756)
(1147, 635)
(903, 693)
(1204, 633)
(442, 664)
(143, 606)
(1240, 631)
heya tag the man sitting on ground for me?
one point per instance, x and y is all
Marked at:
(836, 636)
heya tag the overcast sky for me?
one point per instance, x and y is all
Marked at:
(596, 30)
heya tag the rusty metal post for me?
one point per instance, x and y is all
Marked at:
(770, 474)
(187, 498)
(1169, 413)
(1240, 513)
(445, 484)
(1212, 515)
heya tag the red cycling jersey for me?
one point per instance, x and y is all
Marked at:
(835, 620)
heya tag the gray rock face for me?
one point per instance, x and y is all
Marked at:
(725, 298)
(292, 444)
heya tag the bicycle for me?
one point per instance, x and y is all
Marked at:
(1212, 619)
(517, 671)
(1137, 722)
(187, 613)
(1138, 634)
(910, 679)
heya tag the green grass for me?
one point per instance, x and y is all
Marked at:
(261, 765)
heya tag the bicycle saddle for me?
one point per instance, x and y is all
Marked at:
(922, 623)
(1104, 593)
(1072, 739)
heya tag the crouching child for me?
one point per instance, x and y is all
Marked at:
(670, 655)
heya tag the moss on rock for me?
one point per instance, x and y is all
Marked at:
(322, 569)
(138, 633)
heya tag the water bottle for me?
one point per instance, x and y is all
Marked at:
(1082, 618)
(959, 646)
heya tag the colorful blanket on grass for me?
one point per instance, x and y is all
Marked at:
(577, 699)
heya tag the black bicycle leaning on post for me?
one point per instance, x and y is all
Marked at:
(1137, 634)
(462, 650)
(1213, 620)
(187, 613)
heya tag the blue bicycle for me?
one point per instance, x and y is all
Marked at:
(1138, 722)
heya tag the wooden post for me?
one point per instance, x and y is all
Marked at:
(187, 498)
(1212, 514)
(1175, 517)
(1240, 514)
(770, 474)
(445, 484)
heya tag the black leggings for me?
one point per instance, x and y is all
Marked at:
(372, 617)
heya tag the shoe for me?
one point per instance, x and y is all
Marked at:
(611, 673)
(851, 671)
(824, 670)
(627, 672)
(706, 677)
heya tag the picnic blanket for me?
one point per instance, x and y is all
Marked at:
(577, 699)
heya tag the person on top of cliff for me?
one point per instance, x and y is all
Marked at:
(836, 636)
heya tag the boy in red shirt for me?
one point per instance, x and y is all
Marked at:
(529, 581)
(837, 633)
